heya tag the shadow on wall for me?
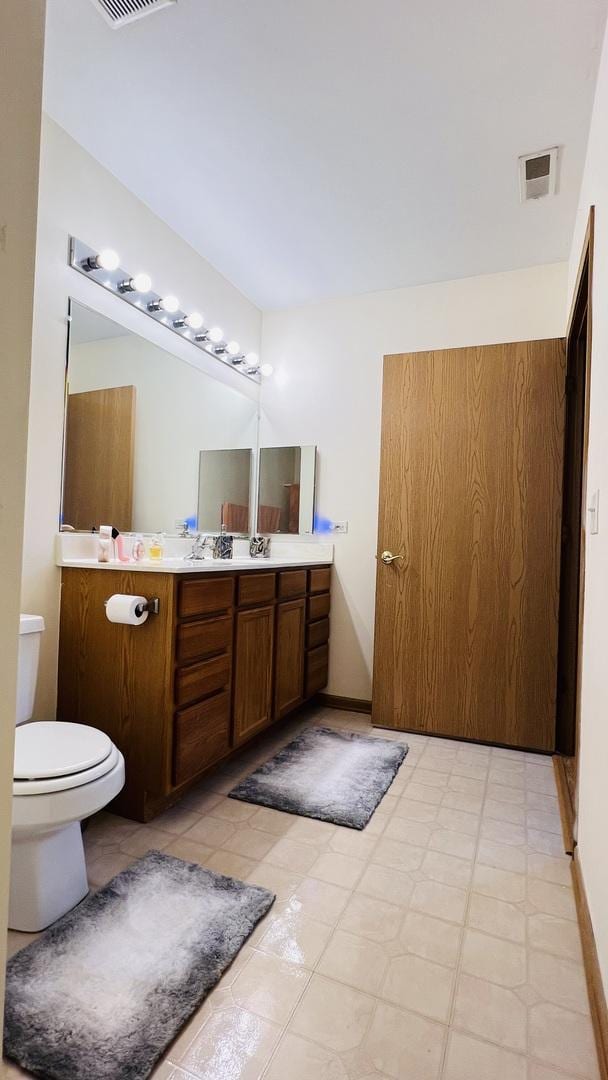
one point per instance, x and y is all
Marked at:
(350, 646)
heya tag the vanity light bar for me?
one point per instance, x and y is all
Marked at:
(103, 267)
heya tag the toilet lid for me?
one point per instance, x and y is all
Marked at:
(49, 748)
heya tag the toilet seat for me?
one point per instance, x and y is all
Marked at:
(56, 756)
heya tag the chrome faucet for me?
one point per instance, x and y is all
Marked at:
(199, 543)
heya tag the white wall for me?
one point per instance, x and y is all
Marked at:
(593, 789)
(78, 196)
(179, 411)
(327, 390)
(22, 35)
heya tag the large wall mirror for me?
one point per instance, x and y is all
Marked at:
(286, 489)
(140, 423)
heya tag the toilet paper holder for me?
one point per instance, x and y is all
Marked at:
(152, 606)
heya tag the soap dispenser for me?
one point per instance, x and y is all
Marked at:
(223, 545)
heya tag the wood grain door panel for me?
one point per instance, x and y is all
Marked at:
(196, 640)
(319, 580)
(254, 644)
(317, 667)
(99, 454)
(470, 494)
(289, 669)
(201, 736)
(318, 606)
(292, 583)
(256, 589)
(205, 595)
(198, 680)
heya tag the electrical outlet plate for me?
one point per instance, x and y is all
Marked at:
(593, 510)
(340, 527)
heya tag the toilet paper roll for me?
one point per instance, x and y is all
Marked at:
(121, 608)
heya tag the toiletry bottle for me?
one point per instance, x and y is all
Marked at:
(139, 548)
(104, 550)
(223, 545)
(121, 550)
(156, 548)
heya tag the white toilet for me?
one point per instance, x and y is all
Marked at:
(63, 773)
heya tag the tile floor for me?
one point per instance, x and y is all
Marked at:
(440, 942)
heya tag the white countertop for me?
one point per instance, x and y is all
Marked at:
(189, 566)
(79, 550)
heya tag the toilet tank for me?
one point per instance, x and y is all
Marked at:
(30, 631)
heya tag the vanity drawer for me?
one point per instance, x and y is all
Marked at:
(201, 736)
(317, 663)
(317, 633)
(204, 596)
(319, 580)
(318, 606)
(199, 680)
(292, 583)
(196, 640)
(256, 588)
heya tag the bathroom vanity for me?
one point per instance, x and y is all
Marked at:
(230, 652)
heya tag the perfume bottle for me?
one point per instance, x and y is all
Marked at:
(139, 548)
(157, 547)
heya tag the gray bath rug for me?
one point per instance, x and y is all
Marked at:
(101, 994)
(335, 776)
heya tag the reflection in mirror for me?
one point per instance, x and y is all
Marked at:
(286, 491)
(223, 491)
(137, 418)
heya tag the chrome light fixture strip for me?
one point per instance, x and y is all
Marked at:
(83, 259)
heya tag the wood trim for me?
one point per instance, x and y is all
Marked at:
(588, 244)
(595, 987)
(585, 267)
(349, 704)
(566, 810)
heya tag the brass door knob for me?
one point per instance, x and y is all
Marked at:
(387, 557)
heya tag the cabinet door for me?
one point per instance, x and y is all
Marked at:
(253, 672)
(289, 672)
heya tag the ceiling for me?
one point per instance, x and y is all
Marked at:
(320, 148)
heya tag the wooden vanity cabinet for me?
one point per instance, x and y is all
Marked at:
(227, 655)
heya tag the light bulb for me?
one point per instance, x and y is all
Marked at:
(266, 370)
(233, 348)
(195, 320)
(107, 259)
(169, 304)
(215, 335)
(141, 283)
(252, 359)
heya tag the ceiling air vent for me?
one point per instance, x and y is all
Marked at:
(120, 12)
(538, 174)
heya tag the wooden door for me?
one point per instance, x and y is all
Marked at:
(98, 470)
(253, 672)
(289, 670)
(470, 499)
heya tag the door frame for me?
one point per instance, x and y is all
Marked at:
(569, 736)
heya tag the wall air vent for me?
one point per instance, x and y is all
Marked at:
(120, 12)
(538, 174)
